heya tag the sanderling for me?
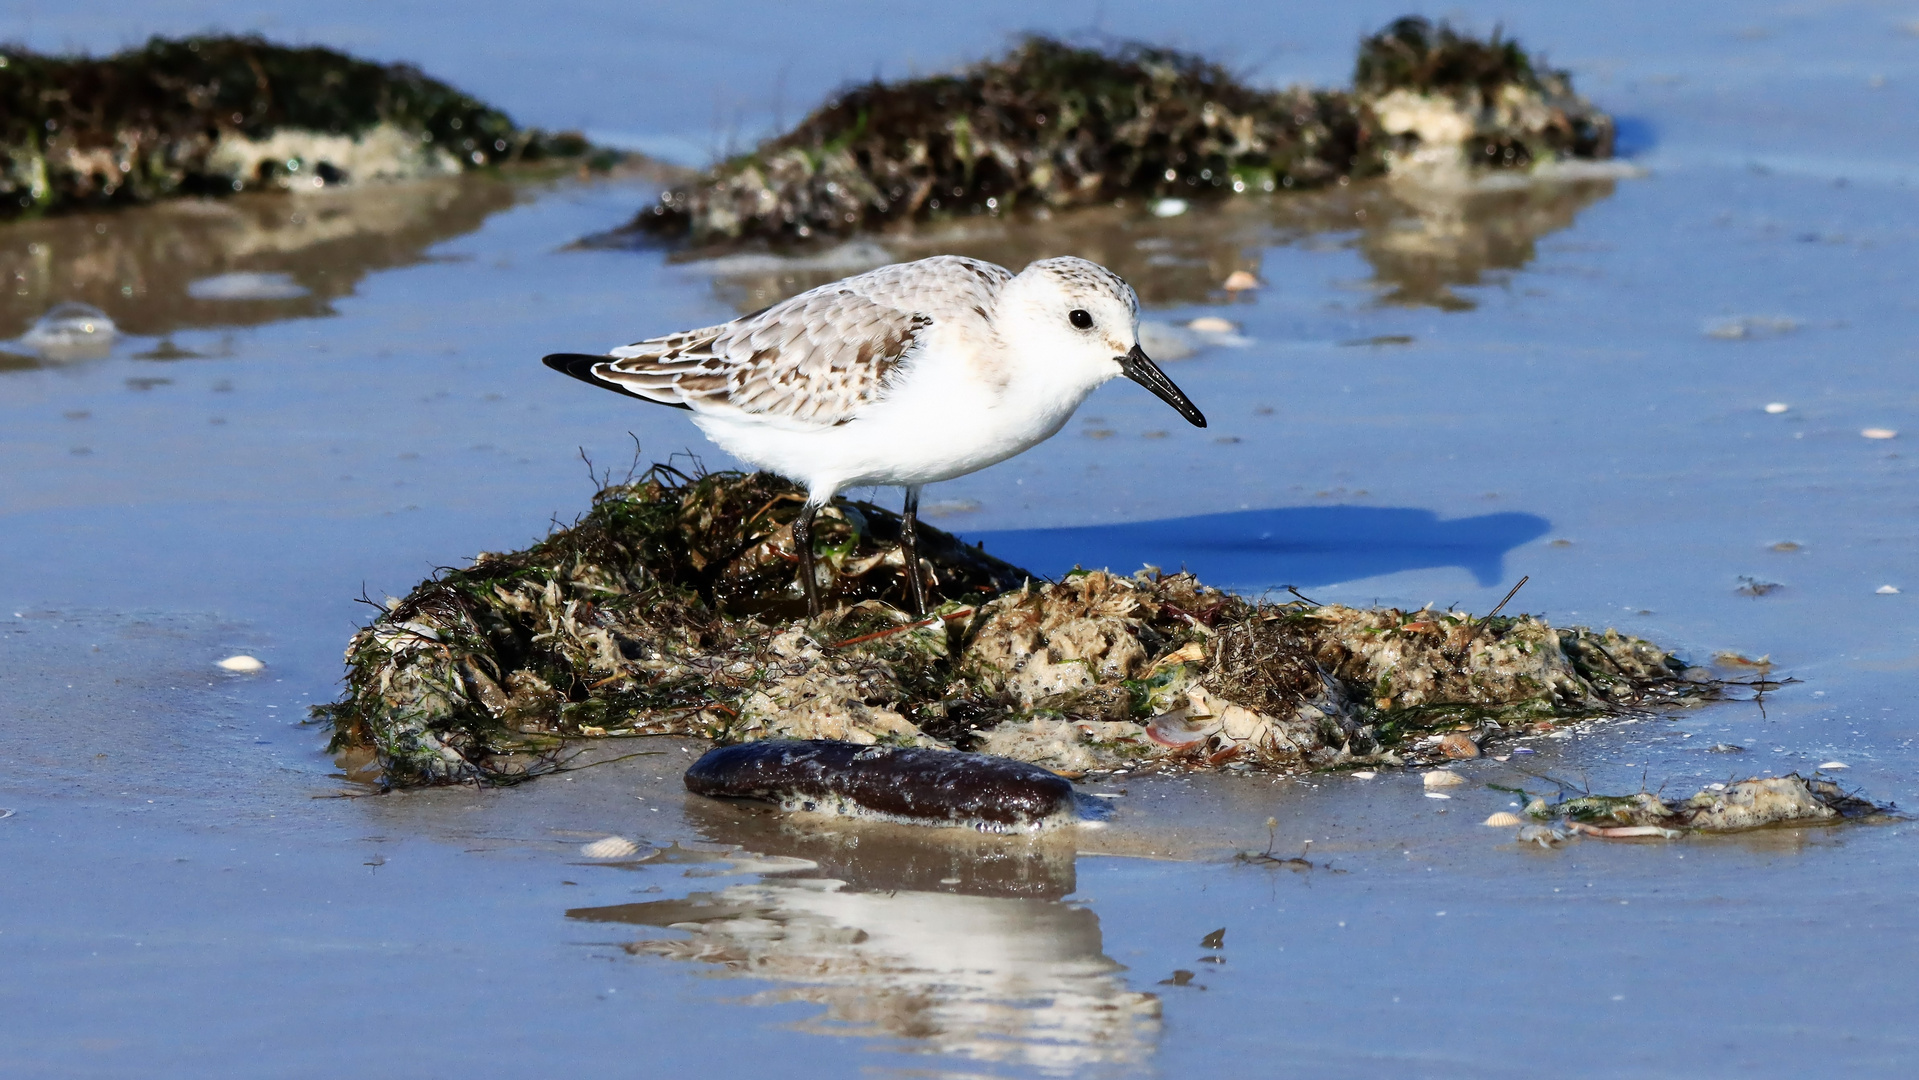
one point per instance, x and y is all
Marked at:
(902, 376)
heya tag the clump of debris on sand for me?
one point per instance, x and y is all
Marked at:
(674, 607)
(1753, 803)
(212, 115)
(1053, 125)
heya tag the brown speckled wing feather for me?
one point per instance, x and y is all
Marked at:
(818, 358)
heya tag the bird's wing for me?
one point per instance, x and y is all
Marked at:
(817, 358)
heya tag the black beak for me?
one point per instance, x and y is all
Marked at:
(1139, 367)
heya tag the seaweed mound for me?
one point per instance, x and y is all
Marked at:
(1053, 125)
(1440, 100)
(214, 115)
(673, 607)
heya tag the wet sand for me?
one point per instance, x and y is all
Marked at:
(1437, 398)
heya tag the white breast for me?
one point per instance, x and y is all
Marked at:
(958, 410)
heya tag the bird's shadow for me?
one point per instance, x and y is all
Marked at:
(1252, 550)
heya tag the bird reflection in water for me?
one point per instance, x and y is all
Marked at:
(956, 942)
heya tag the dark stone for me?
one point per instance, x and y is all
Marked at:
(904, 782)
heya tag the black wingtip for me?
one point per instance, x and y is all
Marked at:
(578, 365)
(581, 365)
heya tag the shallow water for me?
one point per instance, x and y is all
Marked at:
(1437, 398)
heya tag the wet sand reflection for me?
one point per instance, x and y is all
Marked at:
(243, 261)
(1423, 243)
(955, 942)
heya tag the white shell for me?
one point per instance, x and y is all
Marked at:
(1439, 778)
(241, 665)
(1505, 819)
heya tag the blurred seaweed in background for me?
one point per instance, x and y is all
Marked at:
(1053, 125)
(214, 115)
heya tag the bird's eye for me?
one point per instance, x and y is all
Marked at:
(1080, 318)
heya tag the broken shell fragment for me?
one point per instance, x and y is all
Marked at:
(1543, 835)
(1777, 407)
(1887, 590)
(612, 847)
(1880, 433)
(906, 784)
(1363, 774)
(1180, 729)
(241, 665)
(1835, 765)
(1441, 778)
(1505, 819)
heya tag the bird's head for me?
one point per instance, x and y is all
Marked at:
(1081, 321)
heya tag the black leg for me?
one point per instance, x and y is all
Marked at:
(910, 548)
(803, 547)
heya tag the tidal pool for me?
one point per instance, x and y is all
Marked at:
(1439, 393)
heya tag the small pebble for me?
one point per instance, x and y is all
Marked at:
(1505, 820)
(612, 847)
(1880, 433)
(241, 665)
(1887, 590)
(1439, 778)
(1240, 281)
(1835, 765)
(1777, 407)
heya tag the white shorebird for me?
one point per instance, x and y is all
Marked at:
(903, 376)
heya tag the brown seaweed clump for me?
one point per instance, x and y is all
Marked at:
(216, 114)
(1053, 125)
(673, 607)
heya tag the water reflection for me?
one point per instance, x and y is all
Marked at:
(956, 943)
(230, 262)
(1438, 239)
(1252, 550)
(1423, 243)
